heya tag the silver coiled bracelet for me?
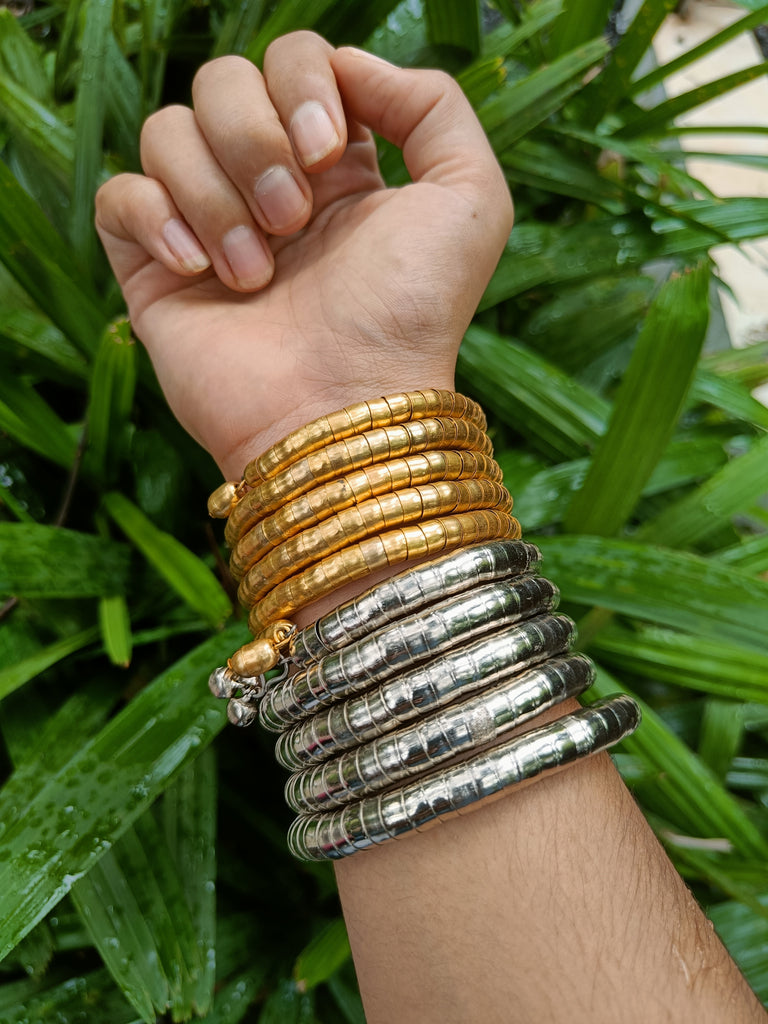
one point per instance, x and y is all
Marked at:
(390, 708)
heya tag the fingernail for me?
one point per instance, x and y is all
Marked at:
(184, 246)
(313, 133)
(247, 257)
(281, 200)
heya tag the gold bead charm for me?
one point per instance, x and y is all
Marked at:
(254, 658)
(223, 499)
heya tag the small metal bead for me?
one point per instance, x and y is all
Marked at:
(223, 683)
(241, 712)
(221, 501)
(254, 658)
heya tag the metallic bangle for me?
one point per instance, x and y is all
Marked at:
(359, 418)
(388, 549)
(338, 459)
(435, 797)
(409, 696)
(458, 729)
(401, 645)
(334, 496)
(410, 591)
(370, 518)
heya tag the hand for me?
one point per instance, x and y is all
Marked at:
(267, 269)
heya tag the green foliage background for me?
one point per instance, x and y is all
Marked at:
(143, 870)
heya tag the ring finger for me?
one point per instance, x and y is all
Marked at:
(208, 200)
(243, 129)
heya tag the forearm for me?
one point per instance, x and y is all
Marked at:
(554, 903)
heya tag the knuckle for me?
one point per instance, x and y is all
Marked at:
(301, 40)
(443, 84)
(218, 68)
(158, 123)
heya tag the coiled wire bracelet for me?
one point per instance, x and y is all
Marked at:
(393, 711)
(439, 737)
(409, 695)
(440, 795)
(403, 644)
(410, 592)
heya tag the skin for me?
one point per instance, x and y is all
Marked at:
(272, 278)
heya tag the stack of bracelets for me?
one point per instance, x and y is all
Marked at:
(390, 708)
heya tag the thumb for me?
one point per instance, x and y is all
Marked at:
(426, 115)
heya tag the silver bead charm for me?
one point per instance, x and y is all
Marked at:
(241, 712)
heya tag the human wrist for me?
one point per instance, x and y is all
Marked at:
(233, 457)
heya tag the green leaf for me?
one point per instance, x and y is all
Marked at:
(189, 820)
(46, 748)
(705, 663)
(697, 515)
(44, 265)
(134, 895)
(655, 119)
(647, 406)
(751, 555)
(14, 676)
(50, 562)
(579, 324)
(29, 120)
(14, 506)
(123, 104)
(578, 23)
(192, 580)
(20, 59)
(115, 627)
(454, 23)
(287, 1005)
(482, 78)
(730, 396)
(669, 588)
(746, 936)
(611, 87)
(681, 780)
(236, 997)
(239, 28)
(90, 997)
(722, 732)
(546, 254)
(35, 950)
(747, 367)
(523, 105)
(347, 999)
(543, 498)
(538, 164)
(510, 36)
(73, 816)
(712, 43)
(553, 410)
(109, 908)
(90, 106)
(736, 219)
(113, 381)
(158, 19)
(322, 957)
(26, 330)
(28, 419)
(288, 16)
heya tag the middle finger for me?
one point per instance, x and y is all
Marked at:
(245, 134)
